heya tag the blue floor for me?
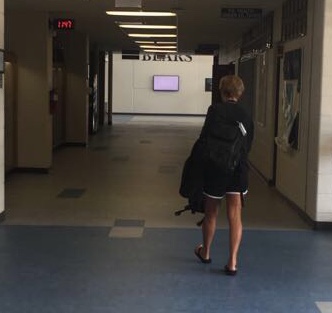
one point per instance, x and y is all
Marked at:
(82, 269)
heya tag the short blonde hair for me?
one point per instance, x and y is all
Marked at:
(231, 86)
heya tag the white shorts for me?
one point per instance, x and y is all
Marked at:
(227, 193)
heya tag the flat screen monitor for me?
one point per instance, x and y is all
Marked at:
(165, 82)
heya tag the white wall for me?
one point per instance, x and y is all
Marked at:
(132, 86)
(320, 153)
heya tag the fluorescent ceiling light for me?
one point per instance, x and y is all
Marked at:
(139, 13)
(166, 42)
(150, 42)
(157, 50)
(128, 23)
(152, 35)
(157, 47)
(147, 26)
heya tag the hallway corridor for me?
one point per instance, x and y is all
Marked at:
(98, 234)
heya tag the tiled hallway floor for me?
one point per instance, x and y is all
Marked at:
(98, 234)
(131, 170)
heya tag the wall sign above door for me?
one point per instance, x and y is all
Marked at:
(167, 57)
(241, 13)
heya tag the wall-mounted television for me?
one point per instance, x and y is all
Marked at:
(166, 82)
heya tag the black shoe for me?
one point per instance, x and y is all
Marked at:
(229, 272)
(198, 254)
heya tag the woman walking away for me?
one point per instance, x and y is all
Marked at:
(219, 184)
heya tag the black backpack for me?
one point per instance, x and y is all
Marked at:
(226, 143)
(191, 186)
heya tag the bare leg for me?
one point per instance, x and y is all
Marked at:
(234, 210)
(209, 225)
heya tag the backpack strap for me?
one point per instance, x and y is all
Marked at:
(242, 200)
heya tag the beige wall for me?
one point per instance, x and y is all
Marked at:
(34, 133)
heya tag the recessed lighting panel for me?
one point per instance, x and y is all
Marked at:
(157, 47)
(166, 42)
(152, 35)
(147, 26)
(157, 50)
(145, 42)
(139, 13)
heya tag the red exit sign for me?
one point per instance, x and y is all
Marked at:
(64, 23)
